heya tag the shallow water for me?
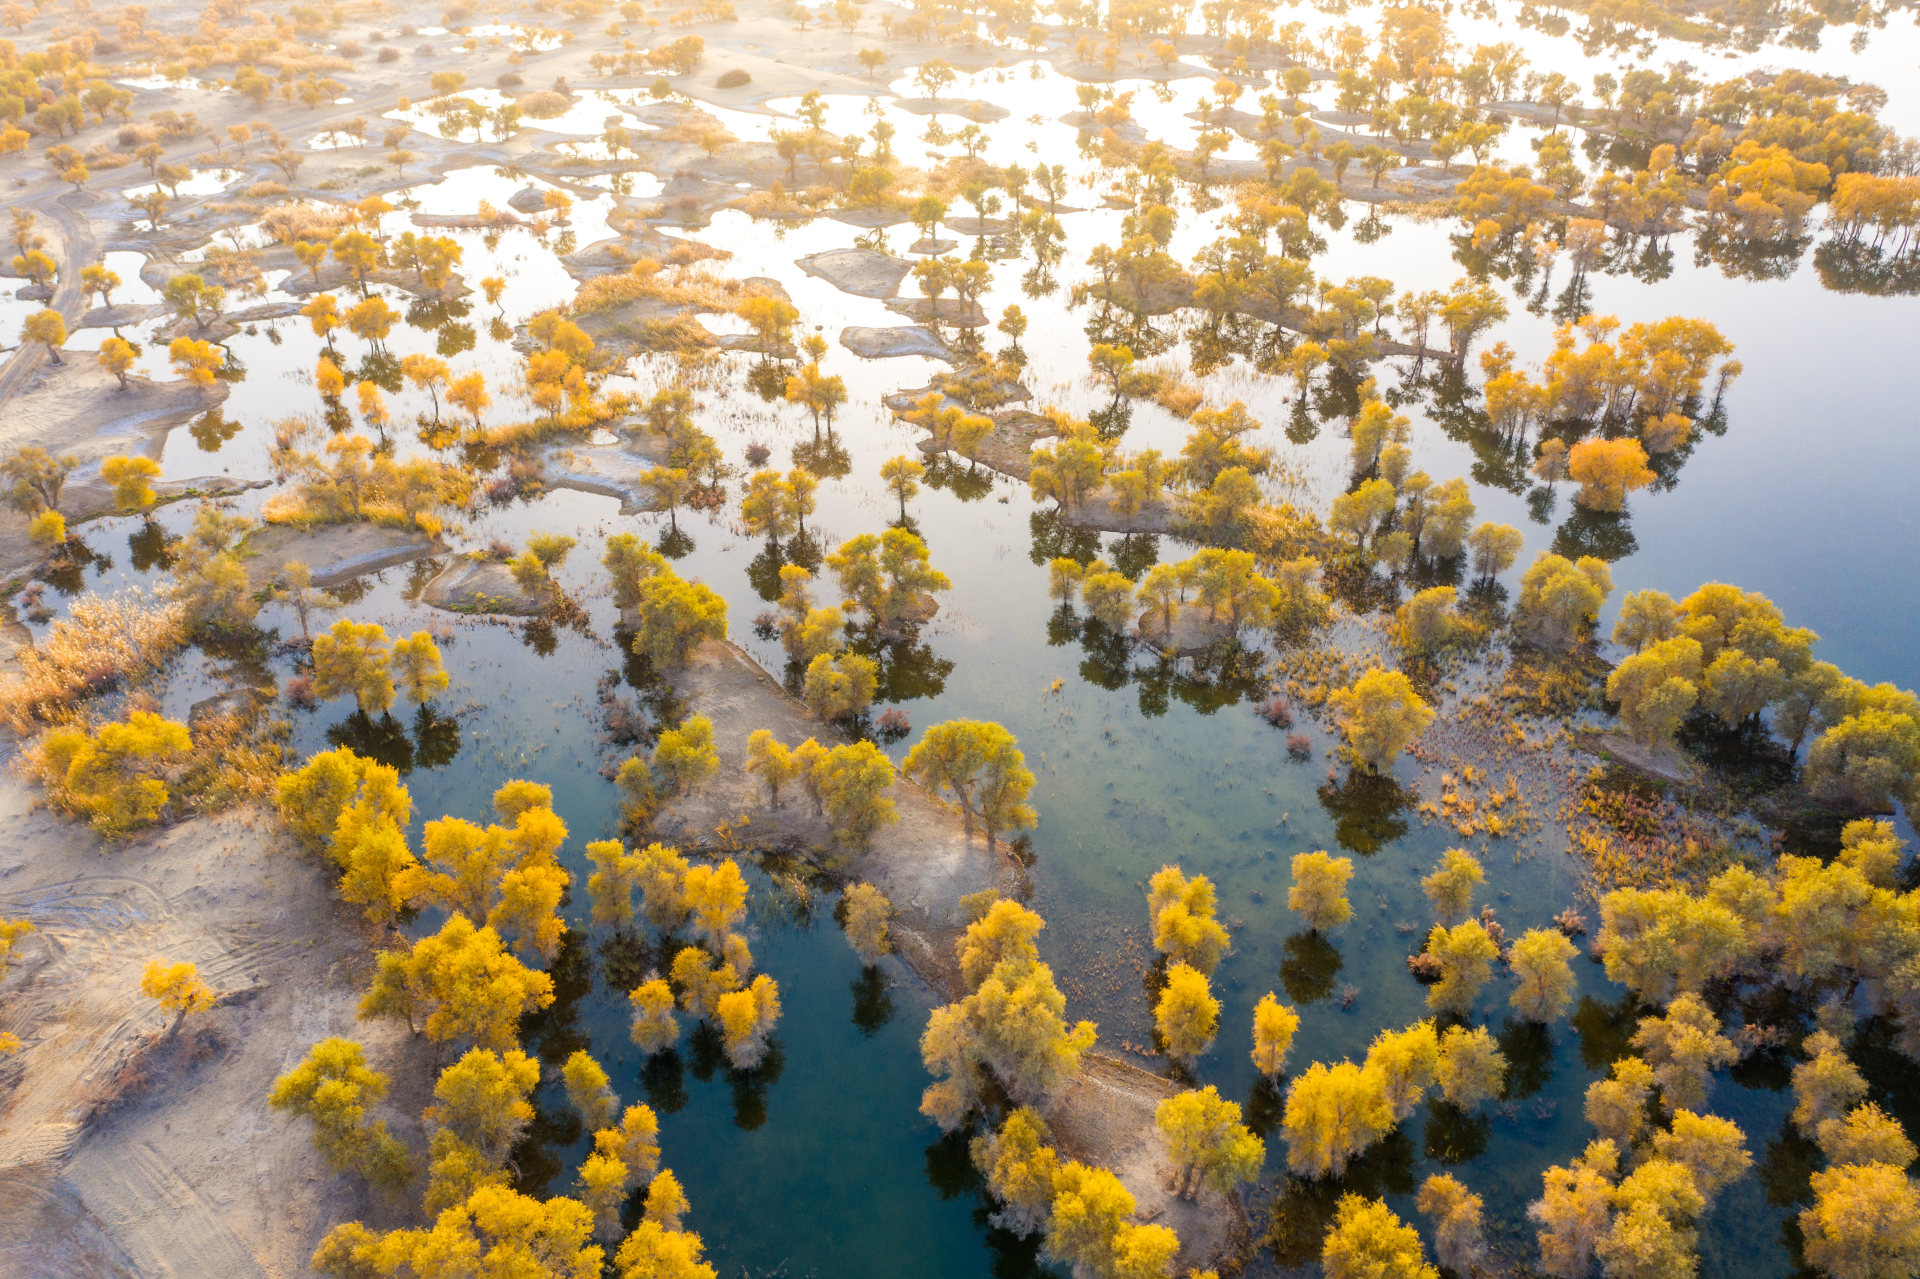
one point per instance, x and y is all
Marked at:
(824, 1166)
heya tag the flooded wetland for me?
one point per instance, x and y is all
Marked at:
(1116, 640)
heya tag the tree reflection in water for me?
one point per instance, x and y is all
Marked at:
(1366, 810)
(1308, 968)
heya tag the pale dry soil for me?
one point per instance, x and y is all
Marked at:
(610, 470)
(925, 863)
(877, 343)
(482, 586)
(124, 1151)
(77, 409)
(1667, 762)
(1194, 631)
(336, 553)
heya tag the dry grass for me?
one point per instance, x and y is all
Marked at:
(516, 436)
(546, 104)
(1178, 396)
(301, 220)
(234, 756)
(103, 642)
(237, 758)
(693, 284)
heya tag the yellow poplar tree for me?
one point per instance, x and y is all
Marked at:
(459, 983)
(1019, 1168)
(1367, 1241)
(353, 657)
(1186, 1015)
(178, 989)
(1319, 890)
(1332, 1114)
(1450, 886)
(1381, 715)
(1539, 958)
(1181, 913)
(866, 912)
(1466, 954)
(653, 1028)
(332, 1087)
(1274, 1025)
(1208, 1144)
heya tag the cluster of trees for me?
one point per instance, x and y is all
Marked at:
(1728, 653)
(1085, 1211)
(354, 478)
(1648, 383)
(1822, 926)
(981, 766)
(850, 785)
(34, 478)
(357, 659)
(712, 974)
(120, 775)
(1395, 513)
(1180, 913)
(481, 1109)
(670, 617)
(890, 578)
(463, 986)
(1226, 583)
(505, 875)
(1633, 1198)
(1008, 1035)
(1334, 1113)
